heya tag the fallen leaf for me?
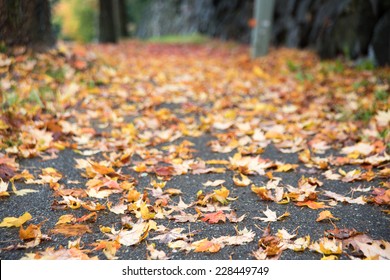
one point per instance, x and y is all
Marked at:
(15, 222)
(243, 236)
(243, 182)
(381, 196)
(312, 204)
(66, 219)
(221, 195)
(205, 245)
(138, 233)
(233, 218)
(286, 167)
(133, 195)
(3, 188)
(90, 218)
(283, 234)
(109, 248)
(21, 192)
(60, 254)
(327, 246)
(271, 216)
(300, 244)
(383, 118)
(6, 171)
(71, 229)
(31, 232)
(341, 233)
(180, 245)
(214, 218)
(120, 208)
(184, 217)
(376, 250)
(154, 254)
(361, 148)
(326, 214)
(213, 183)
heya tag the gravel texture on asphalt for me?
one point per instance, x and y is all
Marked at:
(363, 218)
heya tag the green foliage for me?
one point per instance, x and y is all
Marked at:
(35, 98)
(75, 19)
(3, 47)
(359, 84)
(86, 16)
(364, 114)
(301, 75)
(293, 67)
(332, 66)
(365, 64)
(194, 38)
(57, 74)
(382, 95)
(9, 100)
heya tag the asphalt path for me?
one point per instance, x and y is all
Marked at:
(368, 218)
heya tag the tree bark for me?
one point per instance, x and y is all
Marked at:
(107, 31)
(261, 34)
(26, 23)
(123, 18)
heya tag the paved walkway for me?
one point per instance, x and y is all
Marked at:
(147, 151)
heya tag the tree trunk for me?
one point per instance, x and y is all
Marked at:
(26, 23)
(261, 34)
(107, 31)
(123, 18)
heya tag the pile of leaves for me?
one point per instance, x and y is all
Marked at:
(166, 143)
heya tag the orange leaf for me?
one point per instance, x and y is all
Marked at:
(214, 218)
(133, 195)
(312, 204)
(31, 232)
(325, 215)
(262, 192)
(101, 169)
(164, 170)
(70, 229)
(205, 245)
(91, 218)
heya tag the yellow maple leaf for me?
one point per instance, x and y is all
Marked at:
(243, 182)
(15, 222)
(221, 195)
(105, 229)
(286, 167)
(65, 219)
(145, 213)
(21, 192)
(327, 246)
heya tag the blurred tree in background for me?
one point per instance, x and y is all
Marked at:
(26, 23)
